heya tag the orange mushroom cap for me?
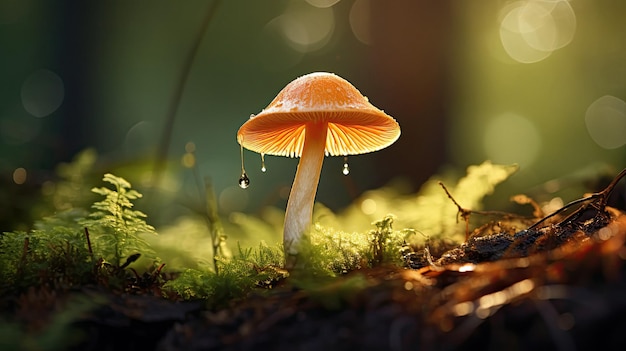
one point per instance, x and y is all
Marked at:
(354, 125)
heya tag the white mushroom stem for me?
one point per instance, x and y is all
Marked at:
(299, 211)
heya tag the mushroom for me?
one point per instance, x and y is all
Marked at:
(315, 115)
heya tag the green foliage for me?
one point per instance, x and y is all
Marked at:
(430, 210)
(184, 244)
(328, 254)
(331, 252)
(60, 252)
(115, 226)
(218, 236)
(72, 247)
(234, 278)
(73, 189)
(55, 252)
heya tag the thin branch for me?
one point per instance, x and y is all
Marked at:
(88, 243)
(24, 256)
(166, 136)
(464, 213)
(602, 195)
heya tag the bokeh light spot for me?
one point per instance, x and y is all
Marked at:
(510, 138)
(322, 3)
(274, 54)
(190, 147)
(306, 28)
(531, 30)
(360, 21)
(42, 93)
(188, 160)
(606, 122)
(140, 138)
(19, 176)
(368, 206)
(19, 128)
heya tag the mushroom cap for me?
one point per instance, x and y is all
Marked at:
(354, 125)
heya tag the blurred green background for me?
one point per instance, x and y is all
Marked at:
(538, 83)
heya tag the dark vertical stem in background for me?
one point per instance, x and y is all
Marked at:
(410, 64)
(74, 59)
(166, 136)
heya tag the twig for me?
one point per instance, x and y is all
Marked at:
(209, 204)
(526, 200)
(88, 243)
(24, 255)
(464, 213)
(602, 195)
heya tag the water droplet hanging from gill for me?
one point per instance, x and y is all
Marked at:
(263, 169)
(244, 181)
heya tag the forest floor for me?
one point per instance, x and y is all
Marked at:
(558, 284)
(568, 298)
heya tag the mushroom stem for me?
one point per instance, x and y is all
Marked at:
(299, 211)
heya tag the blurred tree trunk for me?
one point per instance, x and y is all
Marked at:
(77, 40)
(410, 41)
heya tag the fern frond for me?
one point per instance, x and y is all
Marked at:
(117, 229)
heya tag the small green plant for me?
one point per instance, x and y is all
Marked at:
(115, 226)
(385, 244)
(330, 252)
(234, 278)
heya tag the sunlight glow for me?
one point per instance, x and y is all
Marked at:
(606, 122)
(531, 30)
